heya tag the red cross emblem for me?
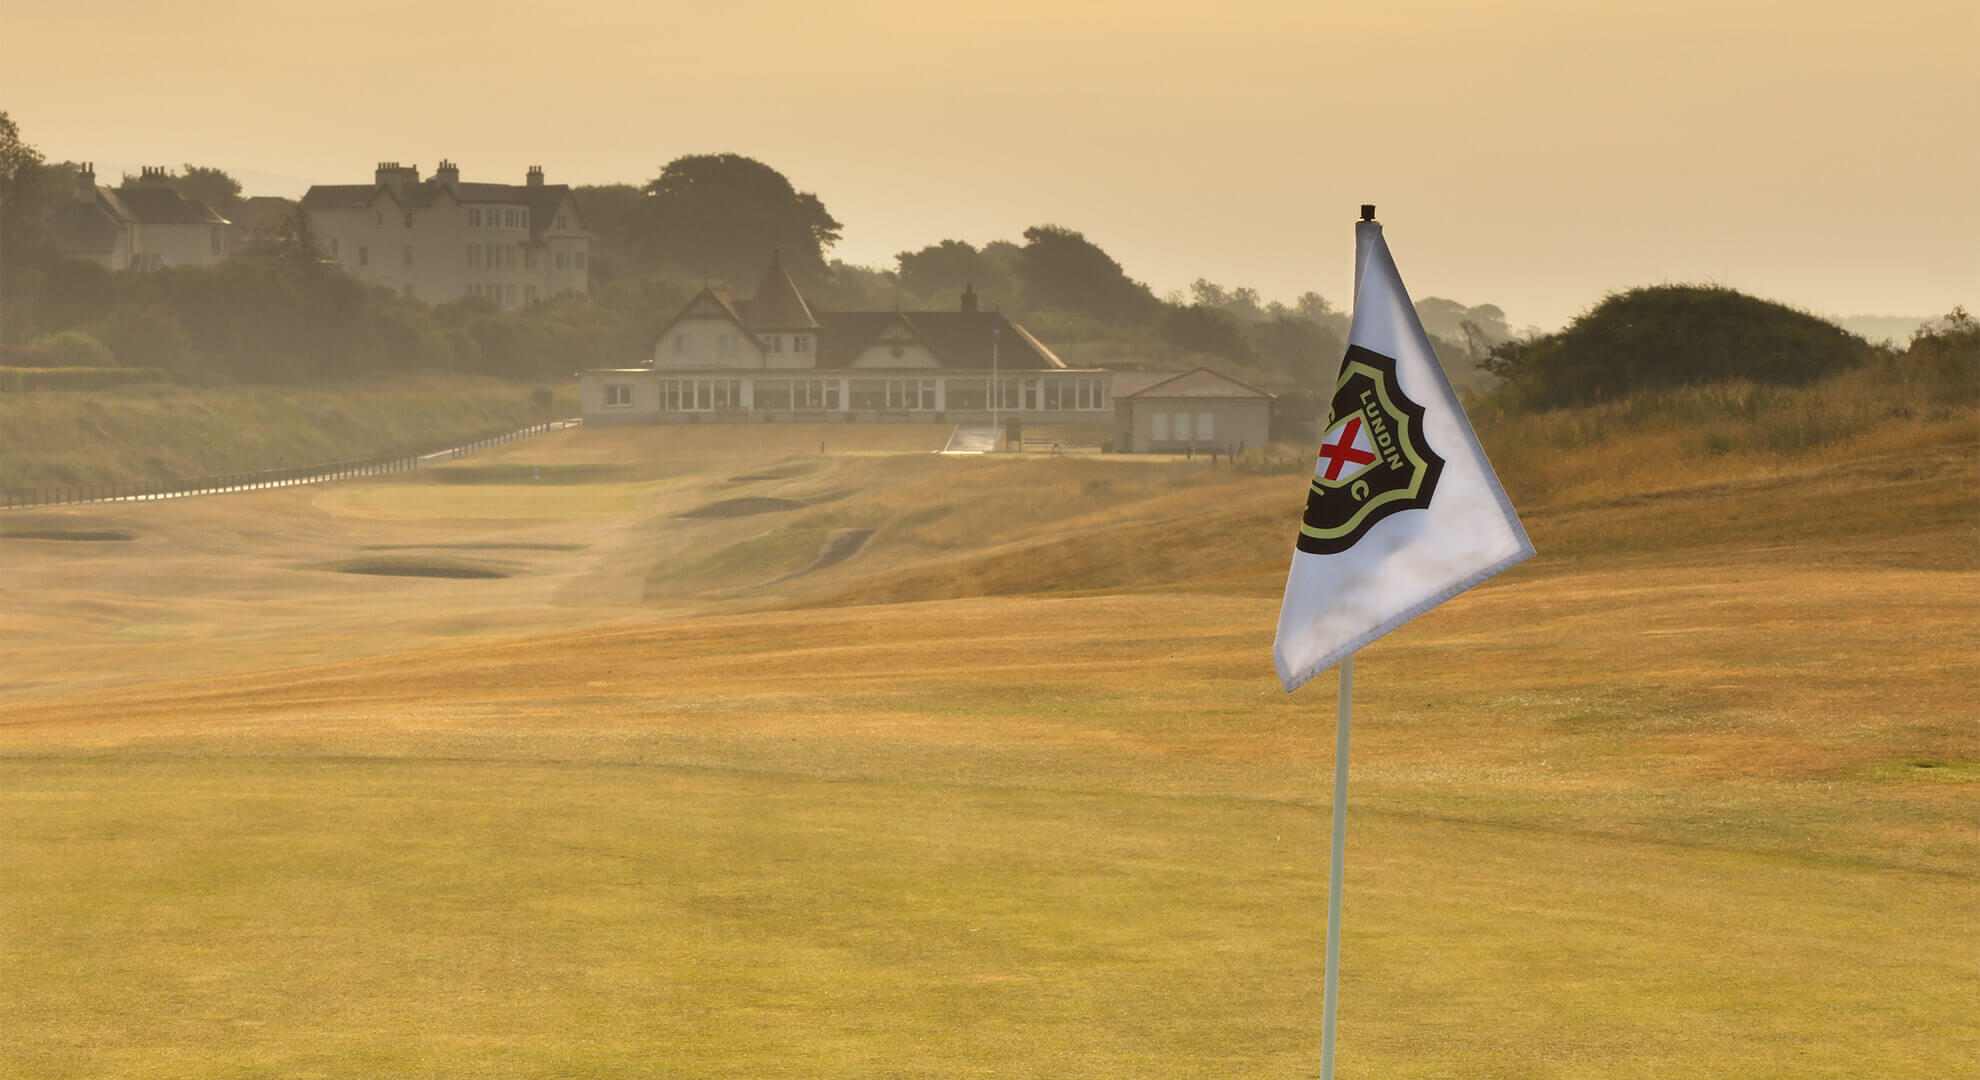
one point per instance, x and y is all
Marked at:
(1336, 456)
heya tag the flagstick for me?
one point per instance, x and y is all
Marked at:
(1335, 865)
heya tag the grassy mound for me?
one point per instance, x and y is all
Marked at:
(1672, 335)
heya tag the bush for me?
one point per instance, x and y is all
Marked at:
(149, 336)
(75, 348)
(1673, 335)
(1947, 356)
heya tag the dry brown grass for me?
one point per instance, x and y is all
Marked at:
(1011, 792)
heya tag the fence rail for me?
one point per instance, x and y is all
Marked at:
(221, 483)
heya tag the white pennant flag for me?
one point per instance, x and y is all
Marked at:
(1404, 511)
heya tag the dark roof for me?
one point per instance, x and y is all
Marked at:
(1201, 383)
(85, 226)
(959, 339)
(542, 199)
(341, 196)
(94, 224)
(777, 304)
(156, 204)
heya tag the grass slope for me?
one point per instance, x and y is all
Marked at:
(1010, 792)
(159, 432)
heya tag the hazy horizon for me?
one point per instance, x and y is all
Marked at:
(1531, 157)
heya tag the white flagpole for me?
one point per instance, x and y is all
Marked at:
(1335, 865)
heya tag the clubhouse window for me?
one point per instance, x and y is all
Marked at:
(700, 395)
(618, 395)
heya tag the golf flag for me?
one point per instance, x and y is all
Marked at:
(1404, 511)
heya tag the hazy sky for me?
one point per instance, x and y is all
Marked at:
(1534, 155)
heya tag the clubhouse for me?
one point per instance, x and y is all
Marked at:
(772, 358)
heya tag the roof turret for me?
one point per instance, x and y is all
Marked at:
(777, 304)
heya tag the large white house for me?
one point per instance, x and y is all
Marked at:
(771, 357)
(441, 239)
(141, 225)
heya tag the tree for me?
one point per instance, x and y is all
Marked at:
(1297, 350)
(613, 212)
(1061, 268)
(1240, 303)
(1446, 319)
(27, 193)
(209, 185)
(950, 266)
(1205, 329)
(723, 214)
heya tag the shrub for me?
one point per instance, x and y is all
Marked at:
(149, 336)
(75, 348)
(1672, 335)
(1947, 356)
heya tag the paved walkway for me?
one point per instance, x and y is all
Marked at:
(972, 439)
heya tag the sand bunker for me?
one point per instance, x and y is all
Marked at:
(489, 545)
(67, 534)
(843, 544)
(427, 568)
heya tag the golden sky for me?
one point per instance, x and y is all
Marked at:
(1533, 155)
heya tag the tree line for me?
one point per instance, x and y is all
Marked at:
(280, 312)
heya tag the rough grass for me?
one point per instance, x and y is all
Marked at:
(51, 437)
(1011, 791)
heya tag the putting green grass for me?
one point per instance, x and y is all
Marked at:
(1012, 791)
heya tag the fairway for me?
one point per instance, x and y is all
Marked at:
(707, 752)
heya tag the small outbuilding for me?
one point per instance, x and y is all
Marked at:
(1195, 411)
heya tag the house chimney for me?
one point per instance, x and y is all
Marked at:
(154, 174)
(969, 296)
(86, 183)
(447, 172)
(535, 178)
(395, 176)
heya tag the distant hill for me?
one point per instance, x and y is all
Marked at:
(1893, 328)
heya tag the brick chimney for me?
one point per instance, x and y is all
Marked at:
(447, 172)
(86, 183)
(154, 174)
(969, 296)
(535, 177)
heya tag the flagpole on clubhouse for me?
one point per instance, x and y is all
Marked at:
(1335, 865)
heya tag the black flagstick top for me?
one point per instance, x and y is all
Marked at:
(1368, 211)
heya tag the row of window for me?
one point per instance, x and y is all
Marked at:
(498, 257)
(503, 293)
(493, 217)
(962, 395)
(503, 257)
(700, 395)
(497, 217)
